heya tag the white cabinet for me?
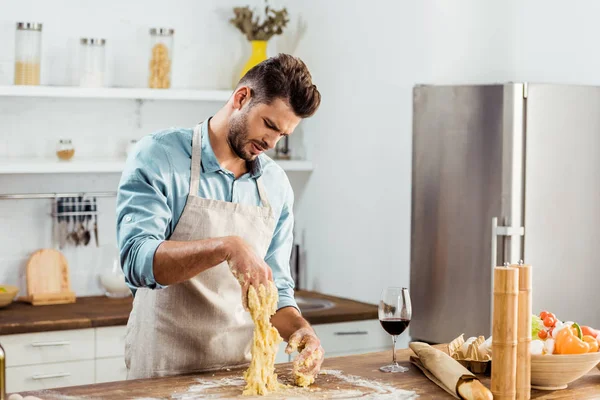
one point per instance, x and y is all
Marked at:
(48, 347)
(110, 341)
(110, 369)
(345, 338)
(51, 375)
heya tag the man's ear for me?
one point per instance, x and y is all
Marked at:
(241, 97)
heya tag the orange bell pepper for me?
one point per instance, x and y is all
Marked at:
(592, 342)
(568, 342)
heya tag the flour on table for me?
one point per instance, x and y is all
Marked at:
(361, 388)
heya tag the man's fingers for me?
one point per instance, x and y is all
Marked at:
(245, 288)
(308, 346)
(293, 342)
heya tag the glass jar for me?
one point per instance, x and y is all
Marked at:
(65, 150)
(28, 49)
(91, 62)
(161, 58)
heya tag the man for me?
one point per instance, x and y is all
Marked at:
(201, 210)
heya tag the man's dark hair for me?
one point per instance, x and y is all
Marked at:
(284, 77)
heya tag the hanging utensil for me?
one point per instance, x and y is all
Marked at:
(80, 217)
(73, 216)
(59, 220)
(95, 210)
(87, 217)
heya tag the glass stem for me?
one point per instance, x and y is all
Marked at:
(394, 349)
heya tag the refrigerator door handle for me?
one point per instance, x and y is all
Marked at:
(502, 231)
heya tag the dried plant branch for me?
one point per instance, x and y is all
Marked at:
(251, 26)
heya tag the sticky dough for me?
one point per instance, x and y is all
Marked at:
(300, 378)
(260, 377)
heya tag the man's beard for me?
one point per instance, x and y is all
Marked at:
(238, 137)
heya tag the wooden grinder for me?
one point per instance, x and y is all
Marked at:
(504, 333)
(524, 333)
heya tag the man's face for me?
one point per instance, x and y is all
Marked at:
(258, 127)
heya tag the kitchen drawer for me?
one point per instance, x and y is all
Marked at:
(353, 337)
(110, 369)
(47, 376)
(48, 347)
(110, 341)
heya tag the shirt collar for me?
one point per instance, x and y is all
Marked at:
(210, 162)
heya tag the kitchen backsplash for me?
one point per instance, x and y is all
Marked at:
(27, 226)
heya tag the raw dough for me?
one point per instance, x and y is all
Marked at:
(260, 377)
(302, 379)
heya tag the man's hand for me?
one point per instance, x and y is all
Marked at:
(247, 267)
(311, 356)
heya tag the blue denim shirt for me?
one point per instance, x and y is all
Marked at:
(153, 191)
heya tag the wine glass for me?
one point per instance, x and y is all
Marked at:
(395, 312)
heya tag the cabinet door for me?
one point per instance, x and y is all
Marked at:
(357, 337)
(110, 341)
(48, 376)
(48, 347)
(110, 369)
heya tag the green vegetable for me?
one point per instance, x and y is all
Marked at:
(578, 328)
(536, 325)
(2, 290)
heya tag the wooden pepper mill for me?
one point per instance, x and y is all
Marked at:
(524, 333)
(504, 333)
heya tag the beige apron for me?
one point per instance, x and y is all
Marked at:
(199, 324)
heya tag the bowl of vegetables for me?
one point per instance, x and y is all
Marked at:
(561, 352)
(7, 294)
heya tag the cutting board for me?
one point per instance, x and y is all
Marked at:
(48, 279)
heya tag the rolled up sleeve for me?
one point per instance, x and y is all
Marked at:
(143, 212)
(278, 254)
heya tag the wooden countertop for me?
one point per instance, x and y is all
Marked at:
(365, 366)
(91, 312)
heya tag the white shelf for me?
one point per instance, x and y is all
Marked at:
(79, 166)
(114, 93)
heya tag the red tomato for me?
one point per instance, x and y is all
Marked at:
(543, 334)
(551, 315)
(586, 330)
(543, 315)
(549, 321)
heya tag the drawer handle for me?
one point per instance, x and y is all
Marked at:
(351, 333)
(48, 376)
(46, 344)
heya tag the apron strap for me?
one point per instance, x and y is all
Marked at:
(262, 192)
(196, 160)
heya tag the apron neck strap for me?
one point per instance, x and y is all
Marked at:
(196, 160)
(197, 165)
(262, 192)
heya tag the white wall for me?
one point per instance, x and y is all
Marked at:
(99, 128)
(366, 57)
(354, 210)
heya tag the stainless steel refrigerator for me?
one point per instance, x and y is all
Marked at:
(503, 172)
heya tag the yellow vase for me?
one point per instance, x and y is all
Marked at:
(259, 54)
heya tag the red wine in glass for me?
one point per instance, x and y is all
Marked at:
(395, 326)
(395, 312)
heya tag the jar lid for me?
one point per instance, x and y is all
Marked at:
(93, 41)
(29, 26)
(162, 31)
